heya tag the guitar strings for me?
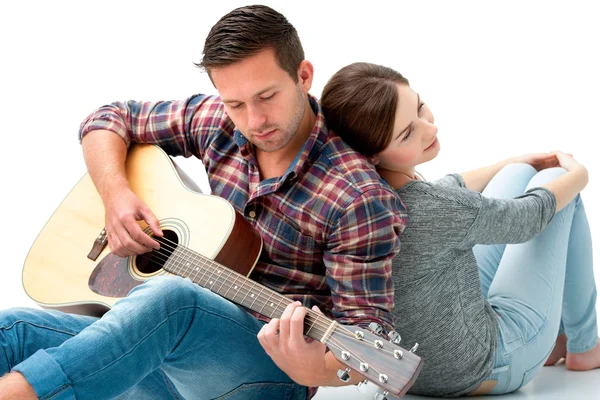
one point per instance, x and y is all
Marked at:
(207, 263)
(331, 342)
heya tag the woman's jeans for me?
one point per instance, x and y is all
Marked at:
(169, 338)
(540, 288)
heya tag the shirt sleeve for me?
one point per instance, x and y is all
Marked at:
(451, 180)
(509, 221)
(359, 259)
(181, 127)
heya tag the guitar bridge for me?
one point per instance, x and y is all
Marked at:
(99, 245)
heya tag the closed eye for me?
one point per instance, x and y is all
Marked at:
(267, 98)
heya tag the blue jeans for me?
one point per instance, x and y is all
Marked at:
(540, 288)
(168, 339)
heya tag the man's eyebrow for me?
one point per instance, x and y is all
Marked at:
(406, 129)
(256, 95)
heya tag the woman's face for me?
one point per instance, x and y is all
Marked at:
(414, 139)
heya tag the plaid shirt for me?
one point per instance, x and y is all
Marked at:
(330, 225)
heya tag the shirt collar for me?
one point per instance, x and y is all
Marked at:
(309, 151)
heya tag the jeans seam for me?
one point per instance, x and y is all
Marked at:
(169, 386)
(56, 392)
(8, 328)
(151, 332)
(257, 384)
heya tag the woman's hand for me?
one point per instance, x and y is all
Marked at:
(539, 161)
(567, 161)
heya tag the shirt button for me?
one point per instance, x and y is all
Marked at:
(252, 214)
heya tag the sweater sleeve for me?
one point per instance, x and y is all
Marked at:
(508, 221)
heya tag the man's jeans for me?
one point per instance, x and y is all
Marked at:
(169, 338)
(540, 288)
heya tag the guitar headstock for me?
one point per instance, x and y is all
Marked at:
(379, 360)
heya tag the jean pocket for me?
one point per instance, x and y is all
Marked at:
(511, 336)
(261, 391)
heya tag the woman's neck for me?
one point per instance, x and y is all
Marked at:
(397, 179)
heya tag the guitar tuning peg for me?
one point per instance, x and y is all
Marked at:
(395, 337)
(381, 396)
(414, 348)
(363, 386)
(344, 375)
(375, 328)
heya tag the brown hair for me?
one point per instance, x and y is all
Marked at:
(248, 30)
(359, 102)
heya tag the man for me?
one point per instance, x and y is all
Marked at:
(330, 229)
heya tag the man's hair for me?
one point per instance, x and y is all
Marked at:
(247, 31)
(359, 103)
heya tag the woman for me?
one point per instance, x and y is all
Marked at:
(489, 258)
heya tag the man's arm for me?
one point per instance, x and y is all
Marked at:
(179, 127)
(104, 154)
(358, 260)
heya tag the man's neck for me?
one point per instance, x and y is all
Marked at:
(276, 163)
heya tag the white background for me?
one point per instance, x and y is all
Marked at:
(502, 78)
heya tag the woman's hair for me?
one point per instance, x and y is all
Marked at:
(359, 103)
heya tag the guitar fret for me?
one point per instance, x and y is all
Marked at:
(207, 273)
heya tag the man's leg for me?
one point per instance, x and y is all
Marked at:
(24, 331)
(204, 343)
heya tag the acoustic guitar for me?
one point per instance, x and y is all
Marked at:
(70, 268)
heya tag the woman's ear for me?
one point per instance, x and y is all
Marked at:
(374, 160)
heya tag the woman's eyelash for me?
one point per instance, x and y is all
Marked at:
(411, 128)
(407, 134)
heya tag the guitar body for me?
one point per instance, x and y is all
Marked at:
(58, 274)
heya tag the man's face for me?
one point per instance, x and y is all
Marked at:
(262, 100)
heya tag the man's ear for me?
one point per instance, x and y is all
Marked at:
(305, 75)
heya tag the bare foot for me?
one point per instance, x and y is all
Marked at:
(14, 387)
(584, 361)
(559, 351)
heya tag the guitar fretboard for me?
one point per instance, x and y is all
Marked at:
(239, 289)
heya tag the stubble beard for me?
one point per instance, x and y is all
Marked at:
(286, 134)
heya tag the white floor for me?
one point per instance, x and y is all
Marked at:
(553, 383)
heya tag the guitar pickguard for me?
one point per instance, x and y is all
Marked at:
(111, 277)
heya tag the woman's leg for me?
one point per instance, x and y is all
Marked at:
(579, 320)
(527, 294)
(508, 183)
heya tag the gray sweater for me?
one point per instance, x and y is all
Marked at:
(438, 298)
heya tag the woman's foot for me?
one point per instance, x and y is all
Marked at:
(584, 361)
(559, 351)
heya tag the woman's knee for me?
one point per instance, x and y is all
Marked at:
(546, 176)
(517, 169)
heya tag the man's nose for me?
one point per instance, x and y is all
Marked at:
(256, 118)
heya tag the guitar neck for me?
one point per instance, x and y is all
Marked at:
(242, 290)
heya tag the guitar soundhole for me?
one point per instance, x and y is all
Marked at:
(153, 261)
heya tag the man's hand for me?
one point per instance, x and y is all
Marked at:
(302, 359)
(125, 237)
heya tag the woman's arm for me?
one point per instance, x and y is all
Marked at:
(566, 187)
(477, 179)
